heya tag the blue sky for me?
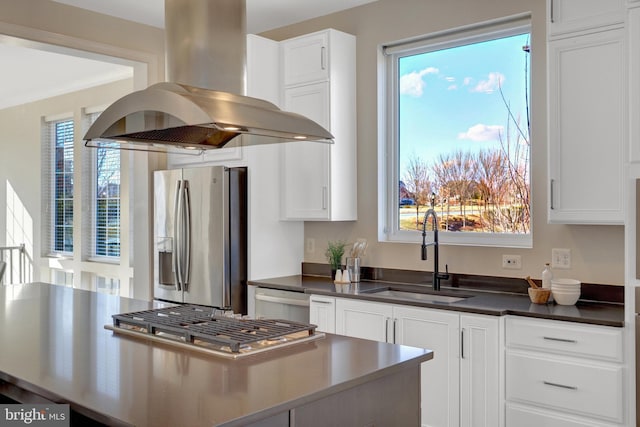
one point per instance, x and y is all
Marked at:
(449, 99)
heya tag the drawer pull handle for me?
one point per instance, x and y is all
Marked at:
(568, 387)
(559, 339)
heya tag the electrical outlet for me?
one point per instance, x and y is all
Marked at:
(512, 262)
(311, 245)
(561, 258)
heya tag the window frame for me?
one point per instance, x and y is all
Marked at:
(89, 115)
(49, 140)
(388, 132)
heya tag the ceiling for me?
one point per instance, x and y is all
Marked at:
(38, 72)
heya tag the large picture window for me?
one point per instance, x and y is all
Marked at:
(457, 116)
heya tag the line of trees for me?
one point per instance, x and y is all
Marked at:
(489, 180)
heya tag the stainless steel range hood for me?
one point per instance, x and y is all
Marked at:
(201, 107)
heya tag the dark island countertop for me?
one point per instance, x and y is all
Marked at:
(490, 303)
(55, 347)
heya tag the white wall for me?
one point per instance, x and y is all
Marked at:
(597, 252)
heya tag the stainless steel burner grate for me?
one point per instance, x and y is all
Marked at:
(197, 324)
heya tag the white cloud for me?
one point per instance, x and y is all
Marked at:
(481, 133)
(452, 87)
(467, 81)
(493, 82)
(412, 84)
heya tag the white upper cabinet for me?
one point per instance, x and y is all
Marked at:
(633, 34)
(587, 124)
(567, 16)
(306, 59)
(318, 181)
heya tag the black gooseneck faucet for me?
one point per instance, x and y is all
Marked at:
(436, 275)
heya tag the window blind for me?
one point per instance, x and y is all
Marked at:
(58, 183)
(105, 199)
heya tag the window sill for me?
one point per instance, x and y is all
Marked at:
(104, 260)
(60, 257)
(497, 240)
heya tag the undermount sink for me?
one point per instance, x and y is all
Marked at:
(416, 296)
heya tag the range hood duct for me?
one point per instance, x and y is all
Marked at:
(201, 106)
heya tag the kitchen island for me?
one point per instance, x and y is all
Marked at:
(54, 348)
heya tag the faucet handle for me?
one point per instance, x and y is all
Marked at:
(445, 276)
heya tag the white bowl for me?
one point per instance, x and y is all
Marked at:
(565, 298)
(565, 282)
(566, 285)
(561, 291)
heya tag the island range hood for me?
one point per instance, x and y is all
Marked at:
(202, 106)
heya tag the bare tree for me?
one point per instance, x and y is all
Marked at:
(442, 174)
(455, 174)
(417, 183)
(490, 179)
(516, 149)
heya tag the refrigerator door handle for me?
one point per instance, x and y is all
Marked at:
(187, 241)
(178, 236)
(176, 242)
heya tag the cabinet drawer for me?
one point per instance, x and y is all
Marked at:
(572, 385)
(523, 416)
(597, 342)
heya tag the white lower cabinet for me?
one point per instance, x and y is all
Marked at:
(481, 370)
(563, 374)
(322, 313)
(461, 384)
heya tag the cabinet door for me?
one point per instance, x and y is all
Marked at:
(480, 393)
(322, 312)
(363, 319)
(587, 128)
(436, 330)
(633, 37)
(305, 59)
(306, 176)
(576, 15)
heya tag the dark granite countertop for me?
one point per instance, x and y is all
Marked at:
(55, 347)
(490, 303)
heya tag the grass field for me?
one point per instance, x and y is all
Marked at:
(451, 221)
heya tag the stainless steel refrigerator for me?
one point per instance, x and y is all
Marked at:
(200, 235)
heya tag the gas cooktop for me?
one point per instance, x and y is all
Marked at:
(211, 331)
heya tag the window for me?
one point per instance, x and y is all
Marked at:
(457, 137)
(105, 221)
(58, 180)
